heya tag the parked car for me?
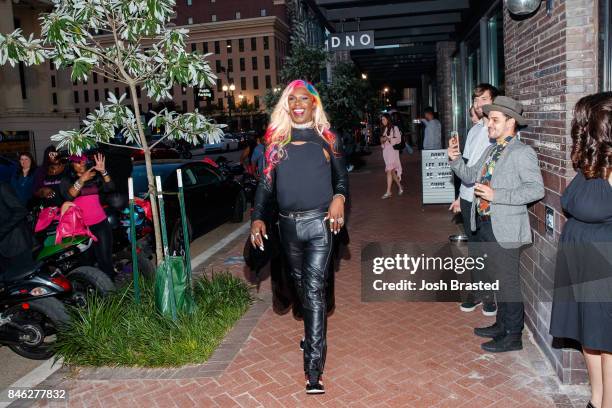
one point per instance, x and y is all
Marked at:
(225, 144)
(241, 138)
(211, 198)
(159, 152)
(7, 168)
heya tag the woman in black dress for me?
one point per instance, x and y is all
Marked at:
(306, 178)
(582, 303)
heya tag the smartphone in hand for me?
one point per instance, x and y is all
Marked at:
(455, 137)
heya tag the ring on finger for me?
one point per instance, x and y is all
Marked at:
(340, 220)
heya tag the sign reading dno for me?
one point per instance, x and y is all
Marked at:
(350, 41)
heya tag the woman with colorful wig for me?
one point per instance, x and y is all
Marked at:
(305, 177)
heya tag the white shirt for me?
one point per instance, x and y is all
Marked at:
(433, 134)
(476, 143)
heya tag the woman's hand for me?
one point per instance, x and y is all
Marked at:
(88, 175)
(335, 214)
(258, 233)
(100, 163)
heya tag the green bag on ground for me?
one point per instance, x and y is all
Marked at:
(172, 288)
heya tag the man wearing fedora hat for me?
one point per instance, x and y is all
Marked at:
(507, 178)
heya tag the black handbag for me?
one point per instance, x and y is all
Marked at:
(402, 144)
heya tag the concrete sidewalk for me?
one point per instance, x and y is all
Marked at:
(379, 354)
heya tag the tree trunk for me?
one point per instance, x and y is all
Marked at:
(150, 177)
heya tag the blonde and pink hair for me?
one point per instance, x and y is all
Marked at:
(278, 134)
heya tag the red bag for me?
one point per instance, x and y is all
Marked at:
(71, 224)
(46, 217)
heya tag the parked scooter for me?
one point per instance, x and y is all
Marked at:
(31, 312)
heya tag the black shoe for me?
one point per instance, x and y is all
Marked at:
(470, 304)
(489, 309)
(302, 344)
(501, 344)
(490, 331)
(315, 387)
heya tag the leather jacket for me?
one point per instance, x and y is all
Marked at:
(265, 194)
(15, 236)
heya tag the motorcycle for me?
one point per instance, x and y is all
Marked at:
(235, 170)
(31, 312)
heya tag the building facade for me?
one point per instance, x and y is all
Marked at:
(35, 102)
(247, 43)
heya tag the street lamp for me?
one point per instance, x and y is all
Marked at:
(230, 98)
(364, 76)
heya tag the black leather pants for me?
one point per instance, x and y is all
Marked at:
(307, 242)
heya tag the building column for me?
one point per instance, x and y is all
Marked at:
(12, 99)
(444, 54)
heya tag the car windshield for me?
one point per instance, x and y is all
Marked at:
(139, 174)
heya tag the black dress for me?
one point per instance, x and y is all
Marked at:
(582, 302)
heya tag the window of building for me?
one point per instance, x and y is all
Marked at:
(76, 96)
(266, 43)
(263, 12)
(496, 50)
(213, 1)
(218, 66)
(267, 62)
(220, 103)
(243, 84)
(95, 78)
(605, 42)
(86, 96)
(193, 47)
(105, 79)
(77, 110)
(96, 95)
(230, 65)
(205, 46)
(242, 64)
(105, 93)
(51, 66)
(219, 85)
(256, 101)
(189, 2)
(237, 15)
(213, 18)
(268, 82)
(217, 47)
(150, 106)
(254, 62)
(52, 81)
(255, 82)
(127, 93)
(189, 20)
(117, 93)
(229, 46)
(253, 44)
(241, 45)
(87, 111)
(138, 91)
(184, 106)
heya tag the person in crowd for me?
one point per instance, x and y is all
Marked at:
(474, 118)
(433, 130)
(247, 154)
(15, 235)
(48, 177)
(393, 166)
(83, 185)
(258, 158)
(582, 301)
(506, 179)
(23, 179)
(476, 143)
(306, 179)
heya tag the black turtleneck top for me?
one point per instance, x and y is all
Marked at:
(305, 179)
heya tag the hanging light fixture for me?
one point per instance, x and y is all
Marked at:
(525, 7)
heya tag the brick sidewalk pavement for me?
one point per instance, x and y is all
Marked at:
(379, 354)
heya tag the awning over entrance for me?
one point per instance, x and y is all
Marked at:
(405, 32)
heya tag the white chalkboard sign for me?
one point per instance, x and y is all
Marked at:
(438, 187)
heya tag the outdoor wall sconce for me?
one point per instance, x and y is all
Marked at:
(525, 7)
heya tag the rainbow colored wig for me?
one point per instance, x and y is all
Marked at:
(278, 134)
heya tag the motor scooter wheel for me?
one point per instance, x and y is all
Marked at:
(88, 281)
(40, 323)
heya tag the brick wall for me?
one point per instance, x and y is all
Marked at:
(444, 53)
(550, 63)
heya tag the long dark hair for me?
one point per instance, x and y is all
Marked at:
(389, 127)
(32, 165)
(592, 135)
